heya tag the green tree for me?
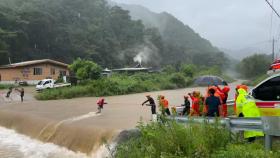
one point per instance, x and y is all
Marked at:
(188, 70)
(85, 69)
(254, 65)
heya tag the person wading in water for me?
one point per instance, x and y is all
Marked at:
(153, 106)
(100, 104)
(21, 93)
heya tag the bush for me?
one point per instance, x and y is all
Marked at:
(245, 151)
(5, 86)
(179, 80)
(175, 140)
(188, 70)
(119, 84)
(254, 66)
(85, 69)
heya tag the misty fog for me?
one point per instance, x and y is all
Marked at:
(239, 28)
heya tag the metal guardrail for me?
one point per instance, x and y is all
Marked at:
(269, 125)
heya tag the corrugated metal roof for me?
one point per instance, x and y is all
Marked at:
(32, 62)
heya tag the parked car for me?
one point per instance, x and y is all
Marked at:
(23, 83)
(50, 83)
(267, 95)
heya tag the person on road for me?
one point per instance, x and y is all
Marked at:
(100, 104)
(195, 111)
(152, 105)
(213, 103)
(165, 104)
(21, 93)
(9, 92)
(186, 105)
(246, 107)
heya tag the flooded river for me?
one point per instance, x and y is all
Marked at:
(70, 128)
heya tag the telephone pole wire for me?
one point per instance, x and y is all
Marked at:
(275, 11)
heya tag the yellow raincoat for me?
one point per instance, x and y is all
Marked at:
(247, 106)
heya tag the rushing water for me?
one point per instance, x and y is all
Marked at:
(14, 145)
(71, 124)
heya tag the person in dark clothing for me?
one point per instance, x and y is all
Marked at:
(186, 105)
(9, 92)
(151, 103)
(21, 93)
(213, 103)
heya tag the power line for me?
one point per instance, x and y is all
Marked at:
(275, 11)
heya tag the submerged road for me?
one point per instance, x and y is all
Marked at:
(58, 120)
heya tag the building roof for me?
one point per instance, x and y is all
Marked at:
(33, 62)
(132, 69)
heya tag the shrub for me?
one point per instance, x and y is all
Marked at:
(175, 140)
(5, 86)
(188, 70)
(245, 151)
(85, 69)
(179, 80)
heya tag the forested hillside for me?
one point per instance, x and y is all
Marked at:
(92, 29)
(178, 37)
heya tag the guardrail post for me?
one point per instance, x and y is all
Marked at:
(268, 142)
(227, 122)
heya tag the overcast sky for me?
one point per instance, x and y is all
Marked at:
(230, 24)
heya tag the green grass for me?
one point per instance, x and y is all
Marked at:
(118, 85)
(174, 140)
(5, 86)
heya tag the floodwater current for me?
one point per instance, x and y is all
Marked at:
(14, 145)
(75, 127)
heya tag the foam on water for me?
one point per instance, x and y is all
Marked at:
(16, 145)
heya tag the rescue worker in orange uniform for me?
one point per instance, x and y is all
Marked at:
(224, 96)
(195, 103)
(165, 104)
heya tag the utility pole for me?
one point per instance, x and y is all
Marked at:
(273, 52)
(10, 61)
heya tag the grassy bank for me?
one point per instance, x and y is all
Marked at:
(118, 85)
(5, 86)
(173, 140)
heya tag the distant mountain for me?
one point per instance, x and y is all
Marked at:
(172, 30)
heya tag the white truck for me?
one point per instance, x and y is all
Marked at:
(50, 83)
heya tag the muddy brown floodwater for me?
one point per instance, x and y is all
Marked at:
(73, 124)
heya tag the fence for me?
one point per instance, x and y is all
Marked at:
(269, 125)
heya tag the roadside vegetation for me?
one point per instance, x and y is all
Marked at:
(174, 140)
(5, 86)
(254, 68)
(92, 84)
